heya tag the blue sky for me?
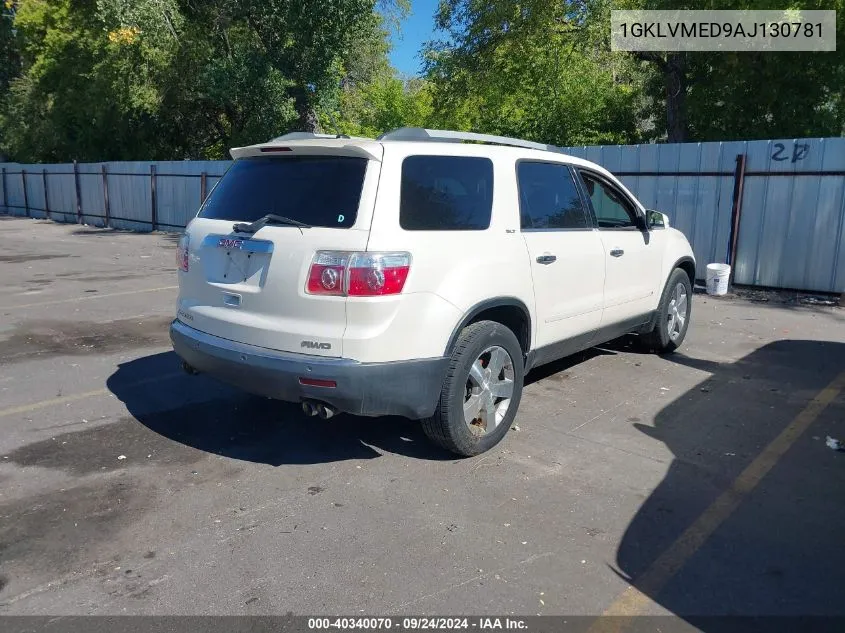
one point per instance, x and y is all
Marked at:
(416, 29)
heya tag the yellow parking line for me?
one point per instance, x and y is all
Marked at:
(91, 296)
(27, 408)
(634, 600)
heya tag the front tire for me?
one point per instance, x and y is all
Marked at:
(481, 391)
(673, 315)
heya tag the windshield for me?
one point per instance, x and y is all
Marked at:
(317, 190)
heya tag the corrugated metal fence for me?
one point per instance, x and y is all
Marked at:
(138, 195)
(791, 197)
(787, 198)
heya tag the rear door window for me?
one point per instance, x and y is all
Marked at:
(446, 193)
(318, 190)
(548, 197)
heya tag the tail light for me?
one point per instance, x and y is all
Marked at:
(358, 274)
(328, 273)
(374, 274)
(182, 250)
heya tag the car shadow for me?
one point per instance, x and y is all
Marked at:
(555, 367)
(200, 412)
(780, 551)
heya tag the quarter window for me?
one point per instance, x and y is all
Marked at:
(446, 193)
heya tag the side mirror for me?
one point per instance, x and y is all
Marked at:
(656, 219)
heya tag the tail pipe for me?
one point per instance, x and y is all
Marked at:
(188, 369)
(312, 408)
(326, 411)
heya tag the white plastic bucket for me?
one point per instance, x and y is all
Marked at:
(717, 278)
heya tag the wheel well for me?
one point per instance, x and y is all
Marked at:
(511, 313)
(512, 317)
(689, 268)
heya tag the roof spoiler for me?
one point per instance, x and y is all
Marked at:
(310, 143)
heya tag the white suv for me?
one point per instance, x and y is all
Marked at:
(420, 276)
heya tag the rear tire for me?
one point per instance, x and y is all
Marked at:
(481, 391)
(673, 315)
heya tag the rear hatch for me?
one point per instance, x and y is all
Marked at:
(251, 286)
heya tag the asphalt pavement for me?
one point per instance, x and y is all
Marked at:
(698, 483)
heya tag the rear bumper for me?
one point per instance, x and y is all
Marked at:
(407, 388)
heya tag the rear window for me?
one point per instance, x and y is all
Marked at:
(446, 193)
(317, 190)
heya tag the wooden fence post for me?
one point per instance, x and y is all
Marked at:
(25, 194)
(78, 195)
(46, 194)
(154, 214)
(106, 206)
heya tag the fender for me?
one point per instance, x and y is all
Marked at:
(686, 259)
(683, 260)
(480, 307)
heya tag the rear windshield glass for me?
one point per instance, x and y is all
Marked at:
(317, 190)
(446, 193)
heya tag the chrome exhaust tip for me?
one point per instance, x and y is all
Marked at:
(309, 408)
(325, 412)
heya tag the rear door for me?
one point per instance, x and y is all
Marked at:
(633, 259)
(566, 254)
(252, 288)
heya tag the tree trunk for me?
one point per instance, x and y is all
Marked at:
(308, 121)
(676, 98)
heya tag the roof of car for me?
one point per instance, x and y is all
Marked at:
(307, 142)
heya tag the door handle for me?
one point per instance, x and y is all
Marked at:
(617, 252)
(546, 259)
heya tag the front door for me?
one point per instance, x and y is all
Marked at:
(632, 257)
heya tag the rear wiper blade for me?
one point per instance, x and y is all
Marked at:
(270, 218)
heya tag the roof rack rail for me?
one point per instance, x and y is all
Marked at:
(422, 134)
(304, 136)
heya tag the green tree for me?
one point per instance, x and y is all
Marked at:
(306, 41)
(497, 59)
(153, 79)
(385, 103)
(9, 58)
(530, 69)
(741, 95)
(222, 88)
(768, 95)
(371, 98)
(73, 99)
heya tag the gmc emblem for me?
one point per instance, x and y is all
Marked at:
(316, 345)
(230, 243)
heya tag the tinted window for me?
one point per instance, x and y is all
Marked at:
(548, 198)
(446, 193)
(611, 209)
(317, 190)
